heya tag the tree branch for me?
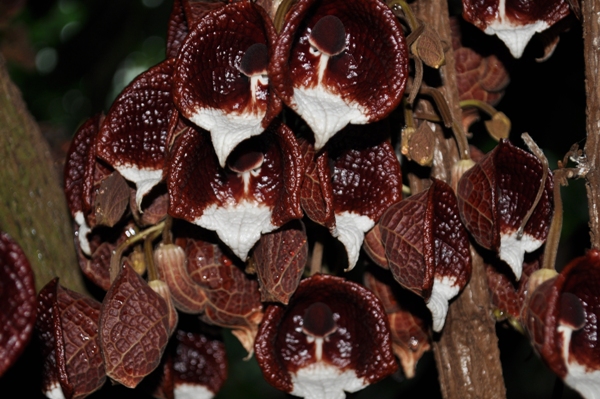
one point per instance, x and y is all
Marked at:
(32, 205)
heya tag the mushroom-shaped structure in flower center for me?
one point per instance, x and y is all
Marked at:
(332, 337)
(338, 62)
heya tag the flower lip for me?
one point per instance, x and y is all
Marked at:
(318, 320)
(328, 35)
(572, 312)
(255, 60)
(246, 157)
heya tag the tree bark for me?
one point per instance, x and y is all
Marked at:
(591, 48)
(32, 205)
(466, 352)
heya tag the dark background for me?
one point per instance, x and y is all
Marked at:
(71, 58)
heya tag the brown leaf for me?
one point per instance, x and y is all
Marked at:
(134, 328)
(17, 301)
(111, 200)
(280, 258)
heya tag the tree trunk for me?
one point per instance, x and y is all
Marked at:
(32, 205)
(591, 48)
(466, 352)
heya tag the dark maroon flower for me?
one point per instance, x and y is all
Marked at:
(561, 318)
(332, 337)
(227, 93)
(514, 21)
(495, 195)
(339, 62)
(17, 301)
(256, 193)
(351, 183)
(133, 136)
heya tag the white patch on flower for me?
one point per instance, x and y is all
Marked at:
(515, 36)
(227, 130)
(326, 113)
(444, 289)
(143, 178)
(55, 392)
(579, 377)
(192, 391)
(323, 381)
(350, 229)
(82, 233)
(238, 225)
(512, 250)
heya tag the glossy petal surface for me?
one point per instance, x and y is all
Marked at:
(495, 195)
(362, 84)
(570, 352)
(238, 206)
(214, 93)
(133, 136)
(280, 258)
(285, 353)
(133, 328)
(514, 21)
(17, 301)
(427, 247)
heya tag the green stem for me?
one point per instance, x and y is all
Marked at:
(410, 17)
(115, 259)
(482, 105)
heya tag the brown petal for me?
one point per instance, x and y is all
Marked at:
(238, 206)
(362, 84)
(570, 352)
(17, 302)
(507, 295)
(233, 297)
(409, 320)
(102, 241)
(68, 329)
(427, 247)
(133, 328)
(355, 355)
(185, 13)
(514, 21)
(477, 77)
(316, 195)
(111, 200)
(280, 258)
(199, 364)
(78, 160)
(133, 136)
(217, 95)
(494, 197)
(366, 179)
(374, 247)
